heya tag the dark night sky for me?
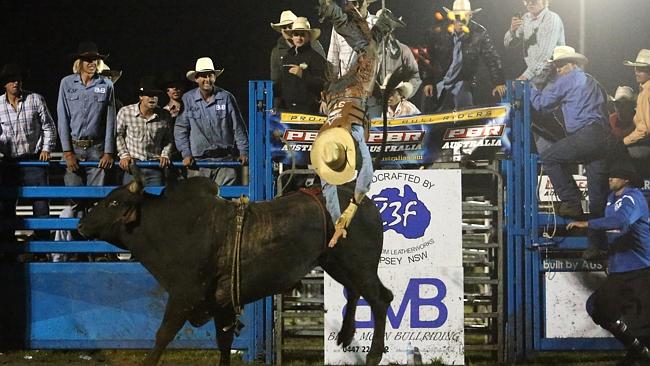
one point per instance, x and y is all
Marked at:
(145, 36)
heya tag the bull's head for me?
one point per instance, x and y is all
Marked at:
(117, 212)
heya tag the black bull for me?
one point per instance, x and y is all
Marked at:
(185, 239)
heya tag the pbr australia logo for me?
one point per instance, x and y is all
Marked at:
(403, 212)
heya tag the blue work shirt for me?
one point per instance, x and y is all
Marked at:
(215, 124)
(628, 230)
(86, 112)
(581, 98)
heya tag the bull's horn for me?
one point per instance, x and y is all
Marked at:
(135, 186)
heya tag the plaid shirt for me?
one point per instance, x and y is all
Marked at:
(28, 129)
(143, 139)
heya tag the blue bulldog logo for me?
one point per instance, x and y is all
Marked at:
(406, 214)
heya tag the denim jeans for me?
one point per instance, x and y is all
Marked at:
(588, 146)
(89, 176)
(221, 176)
(152, 177)
(363, 180)
(21, 176)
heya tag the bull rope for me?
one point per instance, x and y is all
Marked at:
(235, 274)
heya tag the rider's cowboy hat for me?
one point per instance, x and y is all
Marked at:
(104, 70)
(12, 72)
(642, 59)
(203, 64)
(302, 24)
(333, 156)
(623, 93)
(88, 50)
(286, 18)
(461, 6)
(567, 53)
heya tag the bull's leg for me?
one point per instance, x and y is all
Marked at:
(224, 325)
(172, 322)
(379, 298)
(348, 327)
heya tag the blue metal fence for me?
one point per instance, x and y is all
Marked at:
(117, 305)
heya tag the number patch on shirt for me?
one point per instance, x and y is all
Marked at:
(220, 107)
(100, 90)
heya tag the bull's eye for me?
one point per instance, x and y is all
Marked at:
(112, 203)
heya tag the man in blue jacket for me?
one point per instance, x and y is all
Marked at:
(622, 304)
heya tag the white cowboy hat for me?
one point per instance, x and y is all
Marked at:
(462, 6)
(333, 156)
(287, 17)
(203, 64)
(566, 53)
(104, 70)
(405, 88)
(642, 59)
(623, 93)
(302, 24)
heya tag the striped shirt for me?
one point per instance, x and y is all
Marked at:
(143, 138)
(28, 129)
(539, 35)
(340, 54)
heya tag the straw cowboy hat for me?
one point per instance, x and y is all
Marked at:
(302, 24)
(642, 59)
(462, 6)
(104, 70)
(88, 50)
(203, 64)
(405, 88)
(287, 17)
(333, 156)
(623, 93)
(12, 72)
(567, 53)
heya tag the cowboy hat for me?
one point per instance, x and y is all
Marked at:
(405, 88)
(12, 71)
(149, 85)
(287, 17)
(623, 93)
(462, 6)
(88, 50)
(567, 53)
(642, 59)
(171, 79)
(104, 70)
(302, 24)
(203, 64)
(333, 156)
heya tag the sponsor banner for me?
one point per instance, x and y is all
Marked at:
(480, 133)
(421, 264)
(566, 294)
(546, 193)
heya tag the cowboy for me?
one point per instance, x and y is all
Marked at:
(621, 304)
(144, 133)
(210, 126)
(621, 120)
(174, 87)
(341, 55)
(284, 43)
(302, 80)
(537, 33)
(341, 140)
(112, 75)
(86, 118)
(457, 53)
(28, 134)
(638, 141)
(584, 106)
(398, 104)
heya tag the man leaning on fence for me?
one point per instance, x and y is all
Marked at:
(144, 133)
(86, 116)
(27, 134)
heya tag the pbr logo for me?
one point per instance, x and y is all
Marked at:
(300, 135)
(397, 137)
(404, 213)
(474, 132)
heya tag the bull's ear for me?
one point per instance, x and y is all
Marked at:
(136, 186)
(131, 215)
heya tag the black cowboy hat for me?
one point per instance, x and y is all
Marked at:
(12, 72)
(625, 170)
(88, 50)
(172, 79)
(149, 85)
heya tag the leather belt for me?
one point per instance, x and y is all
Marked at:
(84, 144)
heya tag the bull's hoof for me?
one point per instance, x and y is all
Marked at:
(344, 338)
(373, 359)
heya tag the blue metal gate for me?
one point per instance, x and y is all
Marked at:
(117, 305)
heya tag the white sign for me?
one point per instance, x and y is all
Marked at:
(421, 264)
(546, 191)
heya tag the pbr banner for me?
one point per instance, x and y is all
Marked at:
(421, 264)
(480, 133)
